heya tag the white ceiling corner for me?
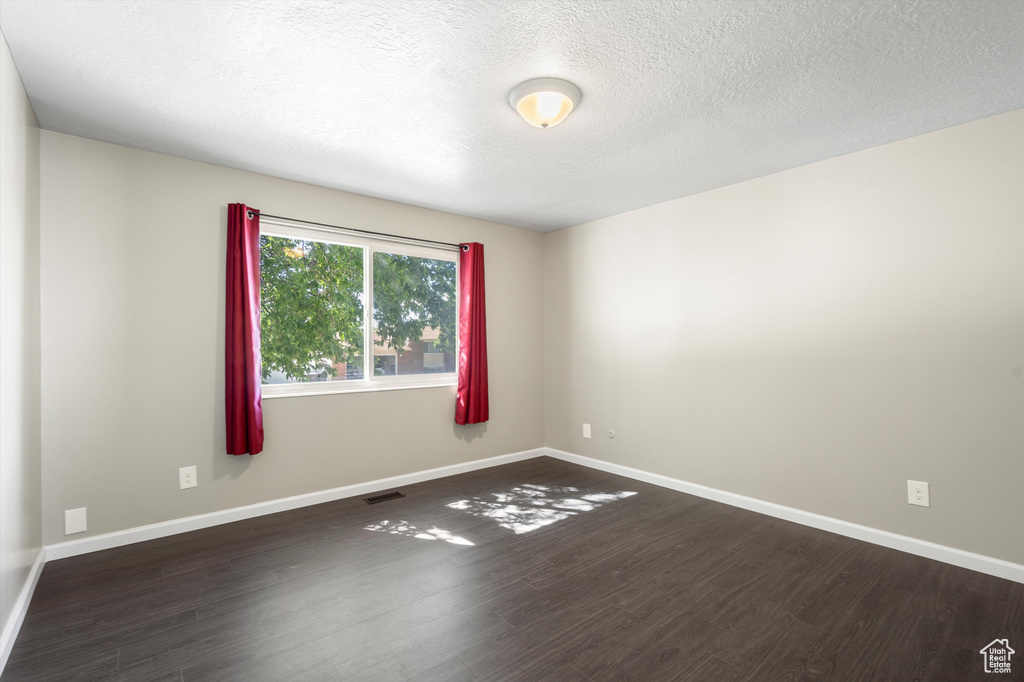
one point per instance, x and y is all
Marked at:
(408, 100)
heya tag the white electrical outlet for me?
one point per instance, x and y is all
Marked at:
(917, 493)
(74, 521)
(586, 430)
(187, 477)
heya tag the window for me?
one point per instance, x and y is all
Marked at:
(321, 292)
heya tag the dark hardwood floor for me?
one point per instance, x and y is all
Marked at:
(657, 585)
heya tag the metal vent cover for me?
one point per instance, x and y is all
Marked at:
(384, 497)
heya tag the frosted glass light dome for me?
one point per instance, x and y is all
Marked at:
(545, 102)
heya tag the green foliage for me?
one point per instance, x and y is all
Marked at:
(410, 294)
(312, 308)
(312, 304)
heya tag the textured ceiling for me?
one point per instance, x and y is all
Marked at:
(407, 99)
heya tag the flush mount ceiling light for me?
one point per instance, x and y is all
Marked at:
(545, 102)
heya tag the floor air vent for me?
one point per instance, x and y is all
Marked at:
(382, 498)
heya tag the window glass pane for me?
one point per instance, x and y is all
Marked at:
(413, 314)
(312, 310)
(385, 364)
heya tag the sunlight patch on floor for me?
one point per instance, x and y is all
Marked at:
(408, 530)
(529, 507)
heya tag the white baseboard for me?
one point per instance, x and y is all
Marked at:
(17, 617)
(129, 536)
(930, 550)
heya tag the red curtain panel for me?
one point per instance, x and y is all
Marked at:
(471, 401)
(242, 398)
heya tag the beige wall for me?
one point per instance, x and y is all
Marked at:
(133, 345)
(814, 338)
(19, 336)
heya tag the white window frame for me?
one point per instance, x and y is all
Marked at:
(275, 228)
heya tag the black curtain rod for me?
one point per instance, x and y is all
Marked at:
(252, 213)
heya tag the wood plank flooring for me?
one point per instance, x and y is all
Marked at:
(596, 586)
